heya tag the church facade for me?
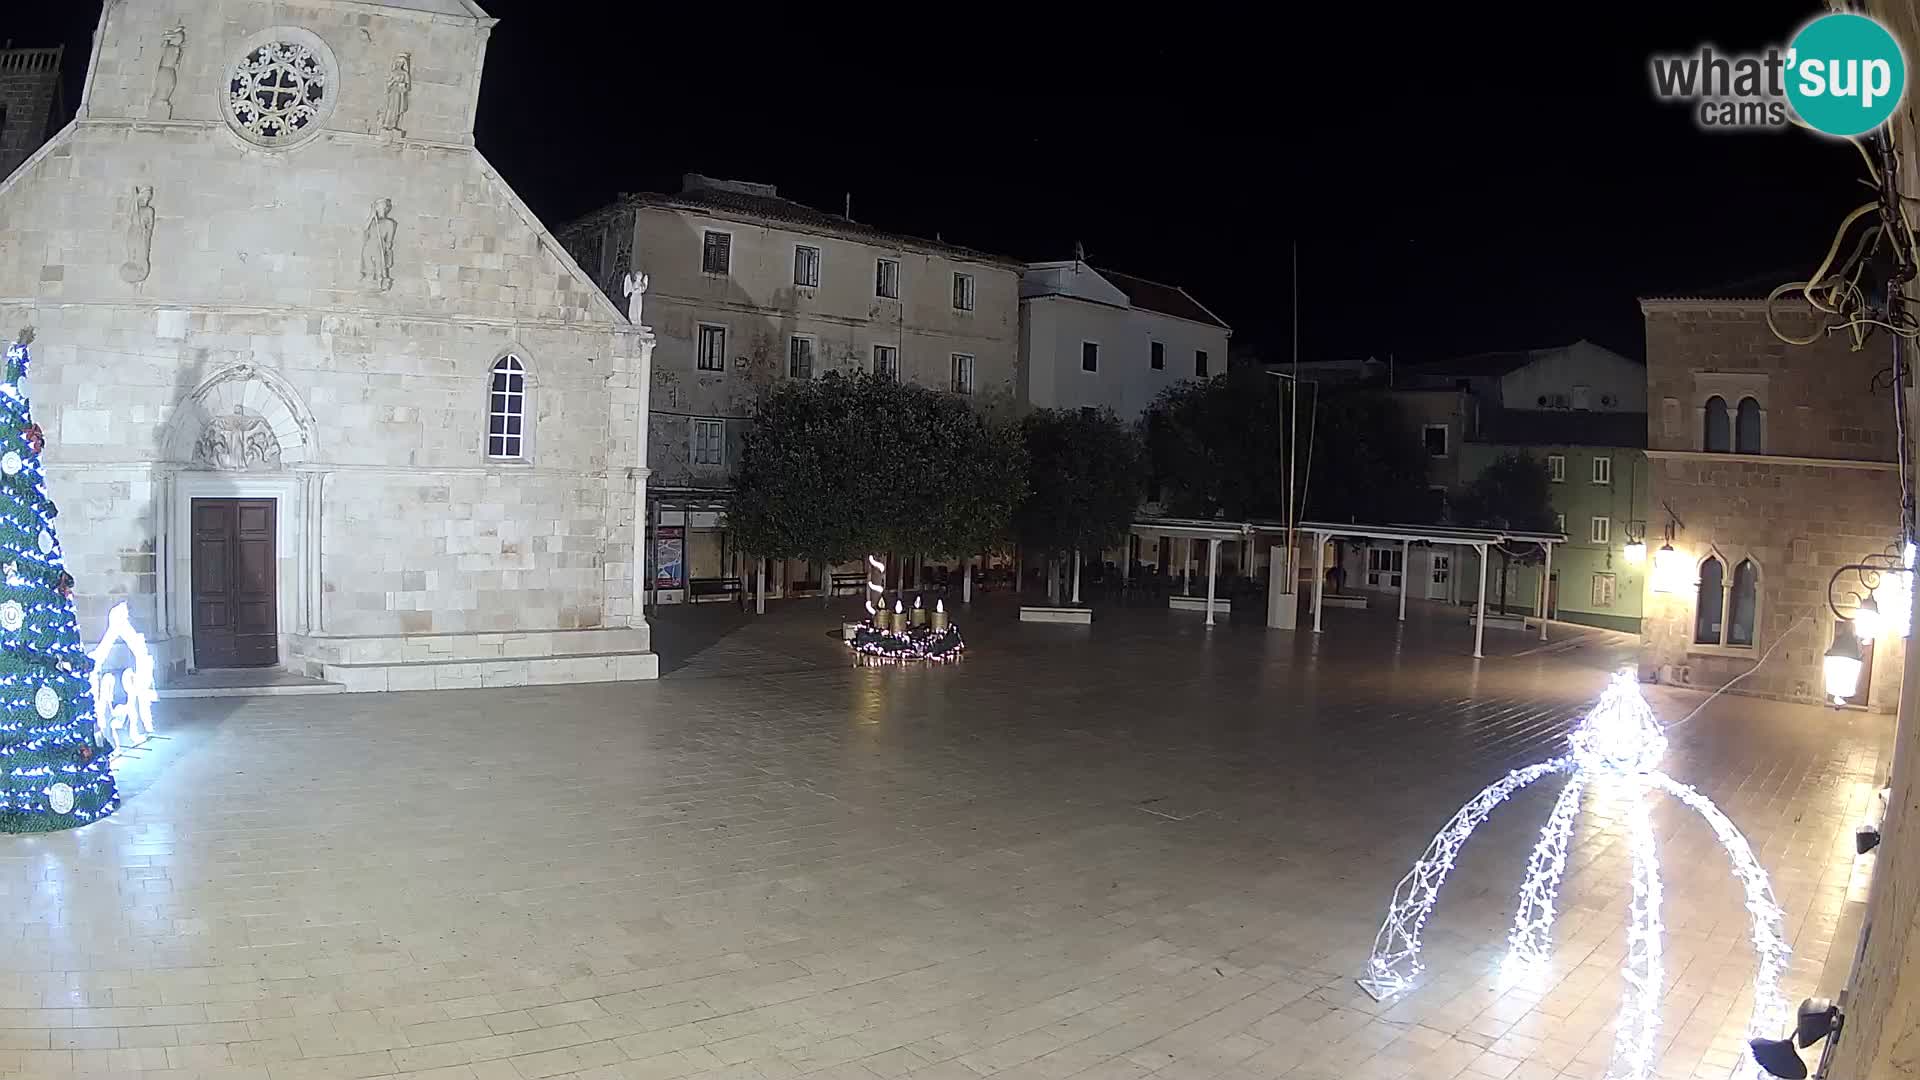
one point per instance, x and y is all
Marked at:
(320, 392)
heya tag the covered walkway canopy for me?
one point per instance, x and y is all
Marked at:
(1215, 531)
(1478, 539)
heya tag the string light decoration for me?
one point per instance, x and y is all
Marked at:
(889, 636)
(1619, 744)
(134, 711)
(52, 775)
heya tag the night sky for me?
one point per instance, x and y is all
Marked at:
(1457, 180)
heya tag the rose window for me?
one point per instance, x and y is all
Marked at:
(280, 91)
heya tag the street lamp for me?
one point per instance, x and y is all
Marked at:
(1670, 570)
(1866, 621)
(1841, 666)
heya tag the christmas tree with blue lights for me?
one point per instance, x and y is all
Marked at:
(53, 772)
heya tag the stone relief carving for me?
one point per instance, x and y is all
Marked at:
(167, 77)
(376, 248)
(237, 443)
(634, 288)
(139, 237)
(399, 88)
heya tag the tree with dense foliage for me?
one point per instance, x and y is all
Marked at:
(1514, 492)
(1084, 476)
(1218, 449)
(840, 466)
(1368, 464)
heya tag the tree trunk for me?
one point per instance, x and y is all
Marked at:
(825, 578)
(1503, 583)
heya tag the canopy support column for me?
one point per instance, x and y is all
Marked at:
(1480, 611)
(1213, 573)
(1406, 568)
(1319, 576)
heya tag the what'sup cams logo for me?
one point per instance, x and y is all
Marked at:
(1843, 74)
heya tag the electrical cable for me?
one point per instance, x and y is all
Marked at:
(1742, 675)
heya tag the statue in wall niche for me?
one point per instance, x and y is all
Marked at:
(167, 77)
(376, 248)
(399, 86)
(634, 288)
(139, 237)
(237, 443)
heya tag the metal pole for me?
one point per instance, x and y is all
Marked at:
(1076, 575)
(1213, 572)
(1546, 589)
(760, 586)
(1405, 568)
(1293, 423)
(1480, 616)
(1319, 576)
(966, 583)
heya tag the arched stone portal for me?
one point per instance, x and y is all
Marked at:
(241, 437)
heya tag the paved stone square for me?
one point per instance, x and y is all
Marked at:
(1147, 849)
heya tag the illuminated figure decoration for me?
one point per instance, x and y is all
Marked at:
(897, 636)
(134, 712)
(1618, 743)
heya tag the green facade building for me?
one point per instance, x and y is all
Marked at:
(1598, 463)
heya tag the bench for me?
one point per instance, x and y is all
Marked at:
(713, 586)
(848, 581)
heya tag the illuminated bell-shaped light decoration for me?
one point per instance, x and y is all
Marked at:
(1866, 621)
(1671, 570)
(1620, 735)
(1636, 552)
(1841, 667)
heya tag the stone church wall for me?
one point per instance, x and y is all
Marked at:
(269, 270)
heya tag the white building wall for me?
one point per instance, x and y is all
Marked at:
(1055, 328)
(1613, 383)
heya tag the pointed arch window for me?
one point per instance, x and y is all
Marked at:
(1727, 608)
(1718, 436)
(1710, 610)
(507, 410)
(1743, 604)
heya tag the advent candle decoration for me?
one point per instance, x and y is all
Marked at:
(897, 636)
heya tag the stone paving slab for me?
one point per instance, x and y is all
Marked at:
(1139, 849)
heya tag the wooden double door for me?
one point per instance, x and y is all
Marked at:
(235, 617)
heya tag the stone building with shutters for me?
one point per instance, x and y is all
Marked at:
(748, 288)
(321, 394)
(1771, 466)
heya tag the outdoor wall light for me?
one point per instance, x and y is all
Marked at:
(1778, 1058)
(1866, 621)
(1881, 595)
(1636, 552)
(1818, 1018)
(1865, 839)
(1841, 667)
(1672, 571)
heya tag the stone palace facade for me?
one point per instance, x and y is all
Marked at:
(320, 392)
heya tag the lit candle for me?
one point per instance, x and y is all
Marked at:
(919, 613)
(939, 616)
(899, 618)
